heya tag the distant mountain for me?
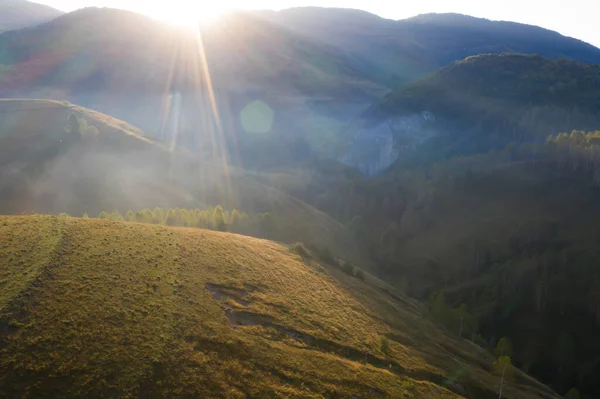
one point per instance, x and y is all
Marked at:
(15, 14)
(156, 76)
(303, 74)
(138, 53)
(407, 49)
(486, 102)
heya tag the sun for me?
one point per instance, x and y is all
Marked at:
(188, 15)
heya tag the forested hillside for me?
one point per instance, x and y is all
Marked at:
(512, 235)
(489, 101)
(493, 212)
(404, 50)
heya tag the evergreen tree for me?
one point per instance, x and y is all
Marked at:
(139, 217)
(90, 133)
(234, 220)
(218, 219)
(171, 218)
(147, 216)
(573, 394)
(130, 216)
(76, 125)
(463, 318)
(438, 308)
(72, 124)
(115, 216)
(504, 348)
(267, 225)
(158, 216)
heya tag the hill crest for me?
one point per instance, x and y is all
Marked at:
(209, 313)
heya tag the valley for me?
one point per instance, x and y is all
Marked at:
(304, 203)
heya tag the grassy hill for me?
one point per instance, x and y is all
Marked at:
(44, 168)
(104, 309)
(16, 14)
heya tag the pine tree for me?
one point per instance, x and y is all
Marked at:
(147, 215)
(139, 217)
(439, 310)
(72, 124)
(462, 317)
(158, 216)
(115, 216)
(184, 217)
(267, 225)
(171, 218)
(234, 220)
(504, 348)
(90, 133)
(130, 216)
(218, 219)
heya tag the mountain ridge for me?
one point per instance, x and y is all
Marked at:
(16, 14)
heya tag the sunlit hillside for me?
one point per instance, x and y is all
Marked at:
(105, 309)
(108, 165)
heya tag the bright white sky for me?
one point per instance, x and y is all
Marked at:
(576, 18)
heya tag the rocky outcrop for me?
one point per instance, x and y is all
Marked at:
(375, 148)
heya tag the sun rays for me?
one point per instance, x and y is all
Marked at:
(190, 109)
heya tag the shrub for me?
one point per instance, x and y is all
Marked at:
(301, 250)
(326, 256)
(348, 268)
(384, 345)
(360, 274)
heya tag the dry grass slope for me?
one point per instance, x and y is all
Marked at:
(92, 308)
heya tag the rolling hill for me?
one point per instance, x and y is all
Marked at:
(45, 168)
(151, 74)
(108, 309)
(314, 69)
(484, 102)
(410, 48)
(16, 14)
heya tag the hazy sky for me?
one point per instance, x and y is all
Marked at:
(576, 18)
